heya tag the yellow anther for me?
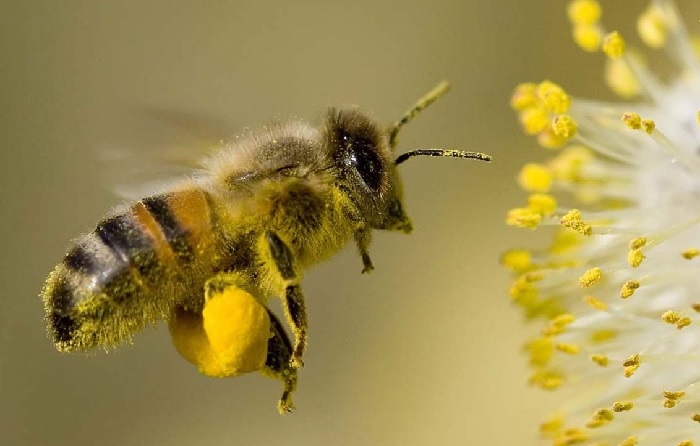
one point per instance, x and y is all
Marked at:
(570, 349)
(632, 360)
(595, 303)
(613, 45)
(621, 79)
(565, 241)
(534, 120)
(553, 97)
(518, 260)
(696, 417)
(685, 443)
(587, 37)
(652, 27)
(564, 126)
(628, 288)
(584, 11)
(669, 404)
(632, 120)
(697, 117)
(635, 258)
(674, 395)
(683, 322)
(552, 426)
(567, 165)
(523, 218)
(622, 406)
(574, 220)
(563, 319)
(629, 371)
(600, 336)
(690, 253)
(542, 204)
(546, 380)
(547, 139)
(590, 277)
(570, 437)
(629, 441)
(601, 360)
(670, 317)
(696, 307)
(535, 178)
(648, 125)
(524, 96)
(540, 350)
(637, 243)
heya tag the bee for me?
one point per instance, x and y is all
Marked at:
(208, 254)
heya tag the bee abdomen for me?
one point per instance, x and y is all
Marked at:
(128, 272)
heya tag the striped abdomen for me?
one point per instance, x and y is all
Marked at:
(131, 271)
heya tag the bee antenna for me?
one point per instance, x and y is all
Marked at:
(453, 153)
(434, 94)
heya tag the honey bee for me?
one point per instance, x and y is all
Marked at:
(209, 254)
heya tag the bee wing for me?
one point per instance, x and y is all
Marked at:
(160, 147)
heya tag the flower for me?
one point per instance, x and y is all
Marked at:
(619, 285)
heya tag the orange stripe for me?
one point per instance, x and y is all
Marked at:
(161, 246)
(192, 211)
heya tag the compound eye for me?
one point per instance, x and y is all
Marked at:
(366, 161)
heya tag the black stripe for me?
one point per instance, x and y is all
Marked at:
(82, 260)
(63, 328)
(124, 237)
(174, 233)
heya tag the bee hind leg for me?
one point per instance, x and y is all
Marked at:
(278, 366)
(293, 299)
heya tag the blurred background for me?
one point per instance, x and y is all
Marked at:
(425, 350)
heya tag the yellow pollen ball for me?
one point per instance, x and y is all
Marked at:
(628, 288)
(534, 120)
(524, 96)
(535, 178)
(690, 253)
(590, 277)
(652, 27)
(613, 45)
(542, 204)
(553, 97)
(584, 11)
(564, 126)
(229, 338)
(587, 37)
(635, 258)
(621, 79)
(523, 218)
(632, 120)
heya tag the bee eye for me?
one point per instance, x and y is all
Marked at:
(367, 163)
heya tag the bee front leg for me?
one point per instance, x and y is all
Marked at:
(362, 238)
(293, 299)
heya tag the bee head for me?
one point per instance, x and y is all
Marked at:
(367, 174)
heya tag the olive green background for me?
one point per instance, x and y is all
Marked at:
(425, 350)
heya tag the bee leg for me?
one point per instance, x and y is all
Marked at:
(293, 300)
(362, 239)
(277, 365)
